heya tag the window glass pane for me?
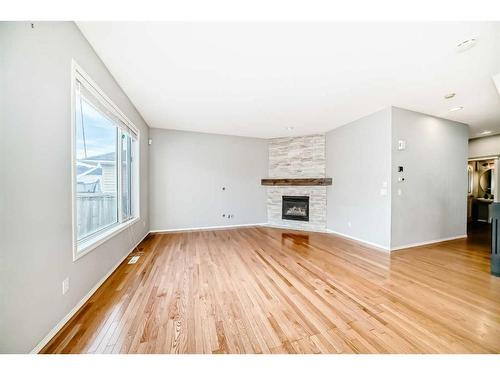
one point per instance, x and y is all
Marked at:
(126, 160)
(96, 169)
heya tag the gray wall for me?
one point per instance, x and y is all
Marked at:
(35, 188)
(188, 171)
(484, 146)
(358, 158)
(363, 155)
(432, 204)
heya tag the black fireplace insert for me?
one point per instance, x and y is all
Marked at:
(295, 208)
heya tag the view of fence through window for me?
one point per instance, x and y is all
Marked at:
(96, 170)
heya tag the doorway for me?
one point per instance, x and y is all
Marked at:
(482, 189)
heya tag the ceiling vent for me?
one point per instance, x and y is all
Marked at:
(466, 44)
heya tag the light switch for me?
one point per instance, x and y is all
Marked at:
(65, 285)
(383, 192)
(401, 144)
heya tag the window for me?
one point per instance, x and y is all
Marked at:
(105, 174)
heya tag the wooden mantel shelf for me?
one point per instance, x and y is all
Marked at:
(296, 181)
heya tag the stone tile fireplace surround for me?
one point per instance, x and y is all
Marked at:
(298, 157)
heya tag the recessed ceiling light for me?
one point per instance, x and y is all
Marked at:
(450, 95)
(290, 128)
(486, 132)
(466, 44)
(456, 109)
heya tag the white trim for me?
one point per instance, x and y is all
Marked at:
(482, 158)
(394, 248)
(373, 245)
(79, 249)
(119, 182)
(94, 241)
(73, 161)
(79, 305)
(207, 228)
(277, 226)
(428, 242)
(78, 71)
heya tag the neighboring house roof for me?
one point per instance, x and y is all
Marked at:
(84, 170)
(108, 157)
(95, 172)
(81, 169)
(93, 164)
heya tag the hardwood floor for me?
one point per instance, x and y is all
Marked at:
(263, 290)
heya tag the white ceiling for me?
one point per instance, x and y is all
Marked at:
(257, 79)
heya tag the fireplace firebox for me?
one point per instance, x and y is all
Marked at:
(295, 208)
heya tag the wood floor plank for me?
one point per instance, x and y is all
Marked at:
(267, 290)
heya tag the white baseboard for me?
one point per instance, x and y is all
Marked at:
(373, 245)
(207, 228)
(77, 307)
(394, 248)
(277, 226)
(429, 242)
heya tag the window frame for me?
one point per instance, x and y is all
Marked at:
(91, 242)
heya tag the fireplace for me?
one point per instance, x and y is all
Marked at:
(295, 208)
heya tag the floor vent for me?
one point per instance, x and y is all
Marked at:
(133, 259)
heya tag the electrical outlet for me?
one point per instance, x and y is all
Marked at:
(65, 286)
(349, 224)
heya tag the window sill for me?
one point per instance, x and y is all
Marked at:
(85, 247)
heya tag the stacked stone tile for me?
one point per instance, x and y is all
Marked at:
(298, 157)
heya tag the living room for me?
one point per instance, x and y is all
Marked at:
(238, 188)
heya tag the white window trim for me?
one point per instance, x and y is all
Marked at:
(100, 237)
(81, 248)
